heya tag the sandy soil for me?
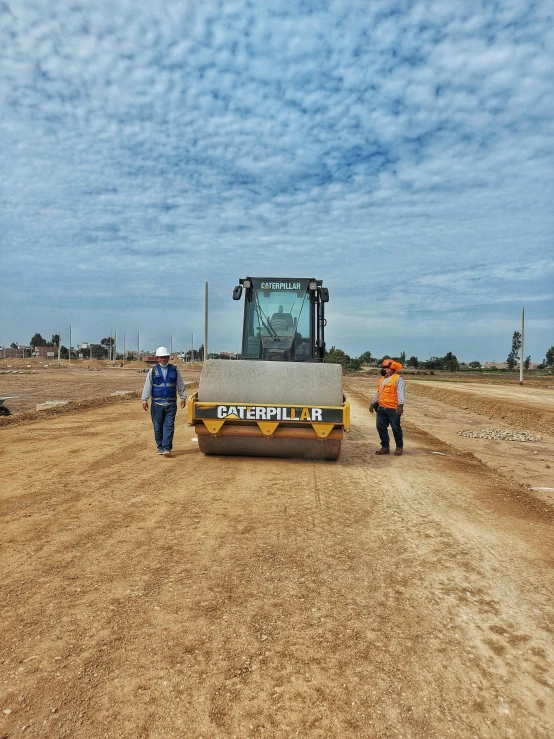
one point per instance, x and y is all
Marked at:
(223, 597)
(444, 409)
(32, 383)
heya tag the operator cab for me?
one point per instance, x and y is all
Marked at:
(283, 318)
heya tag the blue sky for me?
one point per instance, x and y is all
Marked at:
(402, 152)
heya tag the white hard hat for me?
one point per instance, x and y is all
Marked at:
(161, 351)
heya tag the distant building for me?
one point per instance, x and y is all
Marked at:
(9, 352)
(23, 351)
(495, 365)
(47, 352)
(504, 365)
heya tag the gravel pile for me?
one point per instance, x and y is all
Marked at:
(496, 433)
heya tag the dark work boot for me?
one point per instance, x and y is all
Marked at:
(398, 451)
(383, 450)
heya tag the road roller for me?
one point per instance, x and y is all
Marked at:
(280, 399)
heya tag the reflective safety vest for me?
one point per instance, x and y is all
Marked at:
(164, 389)
(387, 394)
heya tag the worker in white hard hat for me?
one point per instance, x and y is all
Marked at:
(163, 382)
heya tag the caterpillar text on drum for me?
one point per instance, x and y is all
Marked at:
(270, 413)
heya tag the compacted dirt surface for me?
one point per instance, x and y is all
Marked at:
(195, 596)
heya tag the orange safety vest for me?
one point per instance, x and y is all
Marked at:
(387, 395)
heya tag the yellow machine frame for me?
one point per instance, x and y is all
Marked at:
(268, 419)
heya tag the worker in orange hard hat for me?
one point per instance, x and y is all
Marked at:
(388, 402)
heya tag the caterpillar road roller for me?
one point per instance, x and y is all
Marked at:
(279, 399)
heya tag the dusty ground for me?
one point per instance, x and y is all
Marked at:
(33, 382)
(219, 597)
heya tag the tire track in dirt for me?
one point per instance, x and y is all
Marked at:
(464, 547)
(207, 596)
(504, 493)
(73, 565)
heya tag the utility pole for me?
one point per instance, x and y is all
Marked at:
(114, 346)
(59, 346)
(170, 347)
(138, 345)
(124, 347)
(522, 352)
(206, 352)
(69, 345)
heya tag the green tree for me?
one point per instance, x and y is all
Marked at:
(513, 356)
(450, 362)
(55, 340)
(37, 340)
(107, 343)
(475, 365)
(549, 359)
(365, 357)
(413, 362)
(98, 351)
(403, 358)
(527, 362)
(13, 345)
(354, 365)
(337, 356)
(434, 363)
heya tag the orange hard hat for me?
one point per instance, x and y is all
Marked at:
(392, 364)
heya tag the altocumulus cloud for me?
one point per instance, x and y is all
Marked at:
(400, 151)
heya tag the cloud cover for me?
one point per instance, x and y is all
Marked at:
(401, 151)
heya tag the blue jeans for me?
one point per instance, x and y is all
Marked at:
(386, 416)
(163, 420)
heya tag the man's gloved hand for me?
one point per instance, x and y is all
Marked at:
(399, 409)
(373, 407)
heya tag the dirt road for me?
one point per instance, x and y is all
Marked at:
(219, 597)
